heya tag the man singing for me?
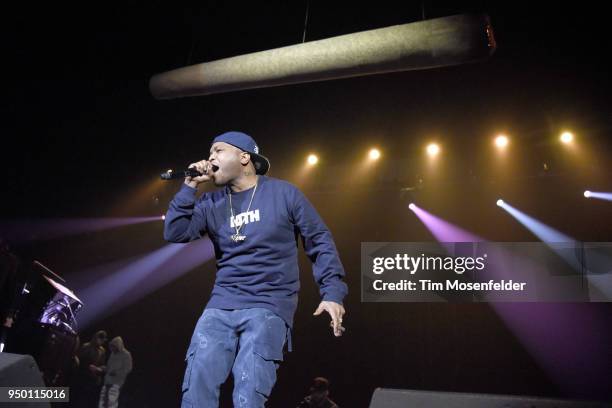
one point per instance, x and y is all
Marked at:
(253, 222)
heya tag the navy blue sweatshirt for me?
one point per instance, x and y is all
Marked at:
(262, 270)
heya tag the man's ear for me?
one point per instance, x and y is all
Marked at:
(245, 158)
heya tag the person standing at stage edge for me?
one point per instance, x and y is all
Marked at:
(86, 387)
(117, 368)
(253, 222)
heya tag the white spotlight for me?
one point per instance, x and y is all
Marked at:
(374, 154)
(566, 137)
(433, 149)
(501, 141)
(587, 194)
(500, 202)
(411, 206)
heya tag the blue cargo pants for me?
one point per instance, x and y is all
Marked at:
(247, 342)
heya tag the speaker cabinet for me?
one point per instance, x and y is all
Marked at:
(392, 398)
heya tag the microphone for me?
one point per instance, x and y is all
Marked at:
(190, 172)
(174, 175)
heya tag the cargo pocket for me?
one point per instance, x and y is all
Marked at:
(189, 358)
(268, 354)
(266, 363)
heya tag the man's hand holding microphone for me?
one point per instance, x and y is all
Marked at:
(204, 167)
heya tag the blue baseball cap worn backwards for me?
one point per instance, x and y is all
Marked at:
(246, 143)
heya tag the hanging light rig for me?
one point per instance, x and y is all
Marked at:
(428, 44)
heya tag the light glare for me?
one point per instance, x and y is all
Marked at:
(374, 154)
(501, 141)
(312, 159)
(433, 149)
(566, 137)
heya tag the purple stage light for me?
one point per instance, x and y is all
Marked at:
(567, 340)
(137, 279)
(81, 279)
(563, 338)
(443, 230)
(19, 231)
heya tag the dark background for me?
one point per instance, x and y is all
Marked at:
(81, 133)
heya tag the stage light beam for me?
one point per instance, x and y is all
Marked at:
(601, 195)
(20, 231)
(530, 322)
(544, 232)
(130, 281)
(443, 230)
